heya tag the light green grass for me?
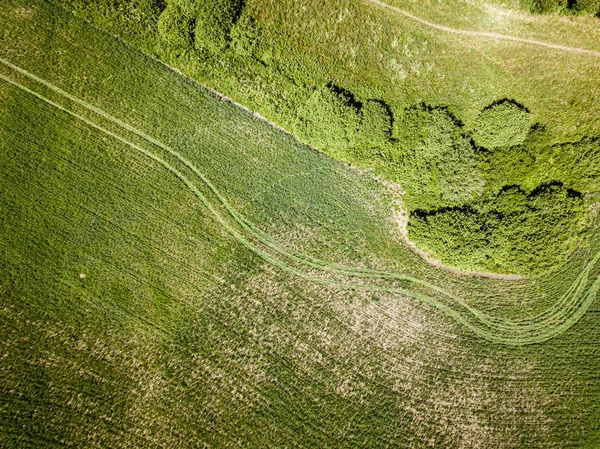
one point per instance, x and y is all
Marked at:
(457, 58)
(180, 335)
(554, 321)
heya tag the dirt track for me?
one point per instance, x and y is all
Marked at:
(496, 36)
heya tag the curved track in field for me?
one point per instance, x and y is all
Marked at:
(497, 36)
(563, 314)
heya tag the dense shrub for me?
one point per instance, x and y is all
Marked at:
(577, 164)
(329, 119)
(437, 166)
(375, 124)
(205, 23)
(175, 27)
(509, 166)
(245, 36)
(214, 21)
(502, 124)
(589, 6)
(514, 233)
(564, 6)
(545, 6)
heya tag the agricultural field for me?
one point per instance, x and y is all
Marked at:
(178, 272)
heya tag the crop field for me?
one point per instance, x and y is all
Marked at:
(176, 272)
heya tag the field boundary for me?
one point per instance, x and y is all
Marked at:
(555, 320)
(489, 35)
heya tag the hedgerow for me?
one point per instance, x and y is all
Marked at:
(514, 233)
(329, 119)
(564, 6)
(437, 166)
(429, 153)
(502, 124)
(175, 27)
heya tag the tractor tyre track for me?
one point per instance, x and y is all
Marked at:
(558, 318)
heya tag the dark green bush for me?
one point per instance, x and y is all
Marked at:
(545, 6)
(589, 6)
(375, 124)
(502, 124)
(245, 36)
(509, 166)
(564, 6)
(514, 233)
(214, 21)
(577, 164)
(329, 119)
(437, 166)
(175, 27)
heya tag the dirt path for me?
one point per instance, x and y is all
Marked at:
(497, 36)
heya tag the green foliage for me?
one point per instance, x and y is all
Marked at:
(513, 233)
(502, 124)
(564, 6)
(205, 24)
(375, 124)
(175, 28)
(576, 164)
(214, 20)
(510, 166)
(437, 166)
(587, 6)
(245, 36)
(178, 336)
(329, 119)
(545, 6)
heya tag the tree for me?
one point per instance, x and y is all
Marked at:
(512, 233)
(214, 21)
(174, 27)
(375, 124)
(501, 124)
(329, 119)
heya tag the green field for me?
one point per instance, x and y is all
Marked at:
(175, 272)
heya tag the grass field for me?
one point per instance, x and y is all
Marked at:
(177, 273)
(452, 61)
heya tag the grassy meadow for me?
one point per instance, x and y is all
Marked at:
(175, 272)
(351, 88)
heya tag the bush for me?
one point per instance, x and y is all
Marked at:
(375, 124)
(514, 233)
(564, 6)
(329, 119)
(502, 124)
(437, 166)
(510, 166)
(589, 6)
(175, 28)
(578, 164)
(545, 6)
(245, 36)
(214, 21)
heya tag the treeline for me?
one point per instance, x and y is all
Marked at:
(490, 198)
(208, 25)
(511, 233)
(563, 6)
